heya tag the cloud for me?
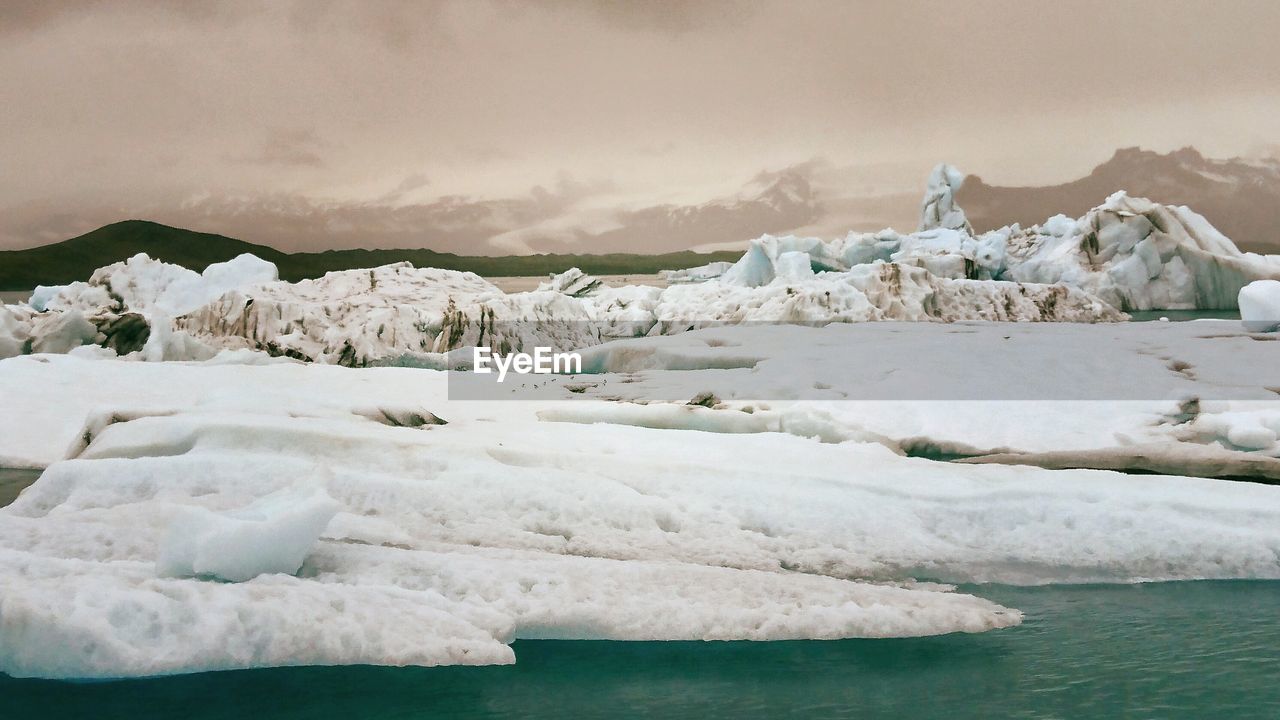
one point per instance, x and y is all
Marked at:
(24, 16)
(566, 215)
(413, 182)
(665, 16)
(289, 147)
(139, 103)
(396, 24)
(1264, 151)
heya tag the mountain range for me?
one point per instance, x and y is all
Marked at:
(1240, 197)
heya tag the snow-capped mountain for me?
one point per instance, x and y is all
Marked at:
(773, 202)
(1240, 197)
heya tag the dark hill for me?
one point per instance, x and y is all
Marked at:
(77, 258)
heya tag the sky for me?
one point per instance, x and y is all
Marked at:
(488, 127)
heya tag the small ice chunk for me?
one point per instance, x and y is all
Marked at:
(243, 270)
(1251, 437)
(702, 273)
(572, 282)
(41, 296)
(1260, 306)
(794, 266)
(273, 535)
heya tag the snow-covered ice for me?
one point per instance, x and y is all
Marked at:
(444, 549)
(273, 535)
(141, 285)
(363, 317)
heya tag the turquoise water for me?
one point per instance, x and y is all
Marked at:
(1173, 650)
(1182, 315)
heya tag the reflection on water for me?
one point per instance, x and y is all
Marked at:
(1182, 315)
(12, 480)
(1173, 650)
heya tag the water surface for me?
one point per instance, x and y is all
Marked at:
(1170, 650)
(13, 480)
(1182, 315)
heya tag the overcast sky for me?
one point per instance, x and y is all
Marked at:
(503, 126)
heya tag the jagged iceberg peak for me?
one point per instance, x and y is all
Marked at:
(572, 282)
(939, 209)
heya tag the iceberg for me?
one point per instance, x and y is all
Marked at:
(1260, 306)
(417, 311)
(357, 317)
(127, 307)
(1139, 255)
(1129, 252)
(1126, 254)
(939, 209)
(141, 284)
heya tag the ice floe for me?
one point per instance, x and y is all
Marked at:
(439, 539)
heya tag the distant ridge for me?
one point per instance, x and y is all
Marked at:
(77, 258)
(1241, 198)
